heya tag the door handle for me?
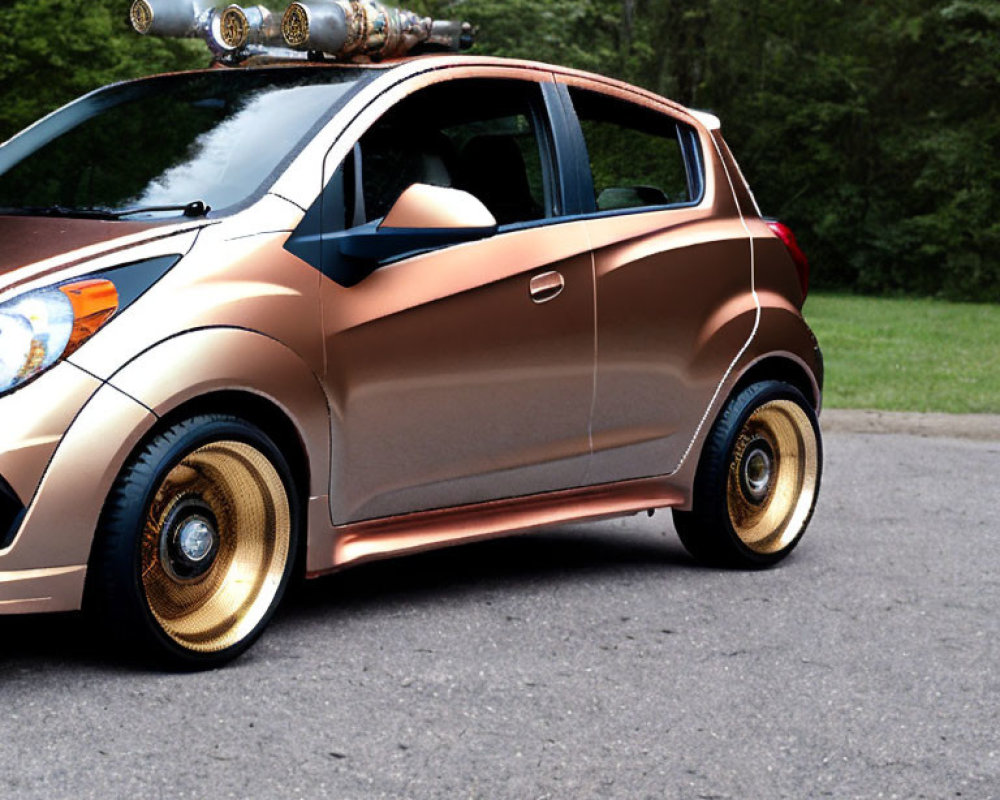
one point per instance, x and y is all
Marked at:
(547, 286)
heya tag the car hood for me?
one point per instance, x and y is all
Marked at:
(28, 240)
(36, 247)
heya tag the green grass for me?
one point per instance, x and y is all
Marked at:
(908, 355)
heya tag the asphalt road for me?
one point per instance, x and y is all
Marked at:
(595, 661)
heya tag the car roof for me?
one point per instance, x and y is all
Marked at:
(442, 61)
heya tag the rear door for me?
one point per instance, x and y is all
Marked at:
(465, 374)
(673, 276)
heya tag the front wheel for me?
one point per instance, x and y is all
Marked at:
(757, 481)
(197, 542)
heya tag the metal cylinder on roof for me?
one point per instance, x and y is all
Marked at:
(173, 18)
(240, 27)
(320, 26)
(348, 28)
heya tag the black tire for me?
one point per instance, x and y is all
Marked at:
(196, 543)
(758, 479)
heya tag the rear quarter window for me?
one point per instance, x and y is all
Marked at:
(638, 157)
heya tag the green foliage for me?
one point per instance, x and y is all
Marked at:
(876, 133)
(54, 50)
(872, 128)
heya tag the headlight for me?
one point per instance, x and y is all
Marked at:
(39, 328)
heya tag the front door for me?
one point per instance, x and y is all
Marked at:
(461, 375)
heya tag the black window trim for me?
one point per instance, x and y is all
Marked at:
(549, 115)
(576, 184)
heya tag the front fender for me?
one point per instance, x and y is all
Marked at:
(210, 360)
(45, 567)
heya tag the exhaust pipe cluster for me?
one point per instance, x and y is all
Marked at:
(340, 29)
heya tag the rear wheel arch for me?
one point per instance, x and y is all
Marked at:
(782, 368)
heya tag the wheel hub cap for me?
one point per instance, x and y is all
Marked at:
(196, 539)
(190, 540)
(757, 471)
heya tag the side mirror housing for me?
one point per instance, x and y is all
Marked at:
(425, 207)
(423, 218)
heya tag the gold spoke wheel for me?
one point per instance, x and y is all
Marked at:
(215, 546)
(773, 476)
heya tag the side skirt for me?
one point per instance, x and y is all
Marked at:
(358, 542)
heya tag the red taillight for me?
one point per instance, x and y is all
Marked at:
(784, 233)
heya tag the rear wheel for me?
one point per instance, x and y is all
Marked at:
(757, 481)
(197, 542)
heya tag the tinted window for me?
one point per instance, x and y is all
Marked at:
(637, 155)
(214, 137)
(481, 136)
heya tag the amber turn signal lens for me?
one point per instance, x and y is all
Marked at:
(94, 303)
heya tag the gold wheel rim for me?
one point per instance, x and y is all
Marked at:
(772, 477)
(237, 488)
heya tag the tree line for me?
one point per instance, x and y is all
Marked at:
(872, 128)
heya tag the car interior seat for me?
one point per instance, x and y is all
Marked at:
(492, 169)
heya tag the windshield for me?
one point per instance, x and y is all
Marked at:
(176, 143)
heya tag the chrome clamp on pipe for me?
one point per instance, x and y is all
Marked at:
(451, 35)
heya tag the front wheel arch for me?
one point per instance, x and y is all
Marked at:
(254, 409)
(257, 410)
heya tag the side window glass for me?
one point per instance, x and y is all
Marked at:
(637, 155)
(485, 137)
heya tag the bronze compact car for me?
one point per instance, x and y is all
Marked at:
(284, 319)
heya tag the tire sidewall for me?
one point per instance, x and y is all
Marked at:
(161, 454)
(713, 471)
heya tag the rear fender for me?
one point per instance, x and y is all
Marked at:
(782, 340)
